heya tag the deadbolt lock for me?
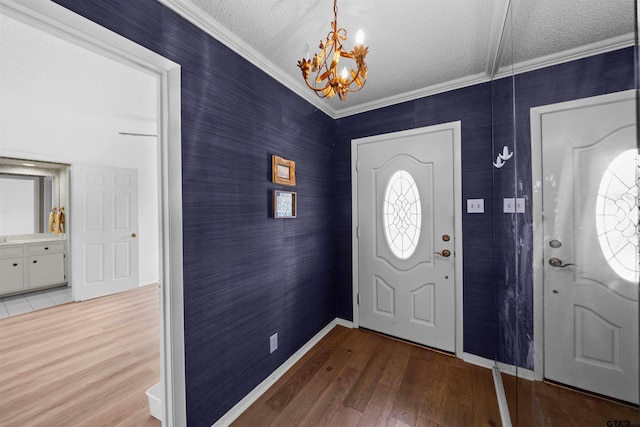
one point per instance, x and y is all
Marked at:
(446, 238)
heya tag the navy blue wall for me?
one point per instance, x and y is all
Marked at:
(246, 275)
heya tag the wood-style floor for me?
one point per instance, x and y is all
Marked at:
(539, 404)
(81, 364)
(353, 377)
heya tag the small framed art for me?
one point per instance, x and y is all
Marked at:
(285, 204)
(283, 171)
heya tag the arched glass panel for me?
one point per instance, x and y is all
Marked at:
(617, 215)
(402, 214)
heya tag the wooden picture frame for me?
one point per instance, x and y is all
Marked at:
(283, 171)
(284, 204)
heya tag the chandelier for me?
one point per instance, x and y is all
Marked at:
(326, 82)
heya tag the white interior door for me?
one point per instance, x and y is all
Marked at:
(590, 245)
(103, 226)
(406, 259)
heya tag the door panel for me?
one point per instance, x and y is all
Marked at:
(104, 230)
(405, 204)
(590, 304)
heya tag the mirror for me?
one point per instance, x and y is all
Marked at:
(29, 191)
(570, 314)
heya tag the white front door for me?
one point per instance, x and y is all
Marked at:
(590, 245)
(406, 234)
(103, 230)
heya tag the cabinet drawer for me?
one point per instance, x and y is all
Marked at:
(11, 275)
(45, 248)
(11, 251)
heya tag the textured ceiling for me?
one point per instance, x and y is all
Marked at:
(416, 47)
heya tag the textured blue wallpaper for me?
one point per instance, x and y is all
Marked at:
(247, 275)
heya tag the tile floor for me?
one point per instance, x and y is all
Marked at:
(37, 300)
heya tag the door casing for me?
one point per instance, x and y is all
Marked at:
(536, 114)
(63, 23)
(457, 185)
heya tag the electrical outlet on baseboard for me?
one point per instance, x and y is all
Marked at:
(273, 343)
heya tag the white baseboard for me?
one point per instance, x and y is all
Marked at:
(526, 374)
(254, 394)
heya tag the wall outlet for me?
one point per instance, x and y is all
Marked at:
(273, 343)
(475, 205)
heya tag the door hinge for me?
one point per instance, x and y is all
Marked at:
(357, 165)
(358, 299)
(357, 232)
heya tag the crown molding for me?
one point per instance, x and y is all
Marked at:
(500, 31)
(210, 26)
(495, 54)
(604, 46)
(413, 95)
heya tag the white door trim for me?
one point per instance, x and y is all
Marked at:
(457, 185)
(63, 23)
(536, 114)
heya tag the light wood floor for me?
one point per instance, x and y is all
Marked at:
(81, 364)
(359, 378)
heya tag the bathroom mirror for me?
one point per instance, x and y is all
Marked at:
(29, 190)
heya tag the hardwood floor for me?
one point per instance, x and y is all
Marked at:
(82, 364)
(538, 404)
(354, 377)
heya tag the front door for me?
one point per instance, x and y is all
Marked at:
(590, 245)
(405, 235)
(104, 241)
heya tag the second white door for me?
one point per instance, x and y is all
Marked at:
(405, 235)
(104, 251)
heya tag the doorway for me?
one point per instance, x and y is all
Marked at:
(65, 24)
(407, 249)
(586, 268)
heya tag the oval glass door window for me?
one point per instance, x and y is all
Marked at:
(617, 215)
(402, 214)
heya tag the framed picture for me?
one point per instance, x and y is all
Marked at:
(283, 171)
(285, 204)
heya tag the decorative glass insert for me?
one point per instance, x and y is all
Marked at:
(617, 215)
(402, 214)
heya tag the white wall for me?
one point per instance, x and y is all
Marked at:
(62, 103)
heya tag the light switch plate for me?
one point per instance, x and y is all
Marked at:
(273, 342)
(520, 205)
(475, 205)
(509, 205)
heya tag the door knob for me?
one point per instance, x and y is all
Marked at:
(445, 253)
(557, 262)
(134, 235)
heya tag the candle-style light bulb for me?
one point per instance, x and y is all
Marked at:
(360, 37)
(344, 73)
(305, 52)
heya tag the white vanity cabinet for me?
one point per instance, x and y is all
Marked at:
(11, 269)
(29, 266)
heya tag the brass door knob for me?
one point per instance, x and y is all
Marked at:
(445, 253)
(134, 235)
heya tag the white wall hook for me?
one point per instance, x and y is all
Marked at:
(502, 157)
(505, 155)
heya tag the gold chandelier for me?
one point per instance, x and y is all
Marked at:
(327, 82)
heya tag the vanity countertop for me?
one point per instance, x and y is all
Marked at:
(35, 239)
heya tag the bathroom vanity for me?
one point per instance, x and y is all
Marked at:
(32, 263)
